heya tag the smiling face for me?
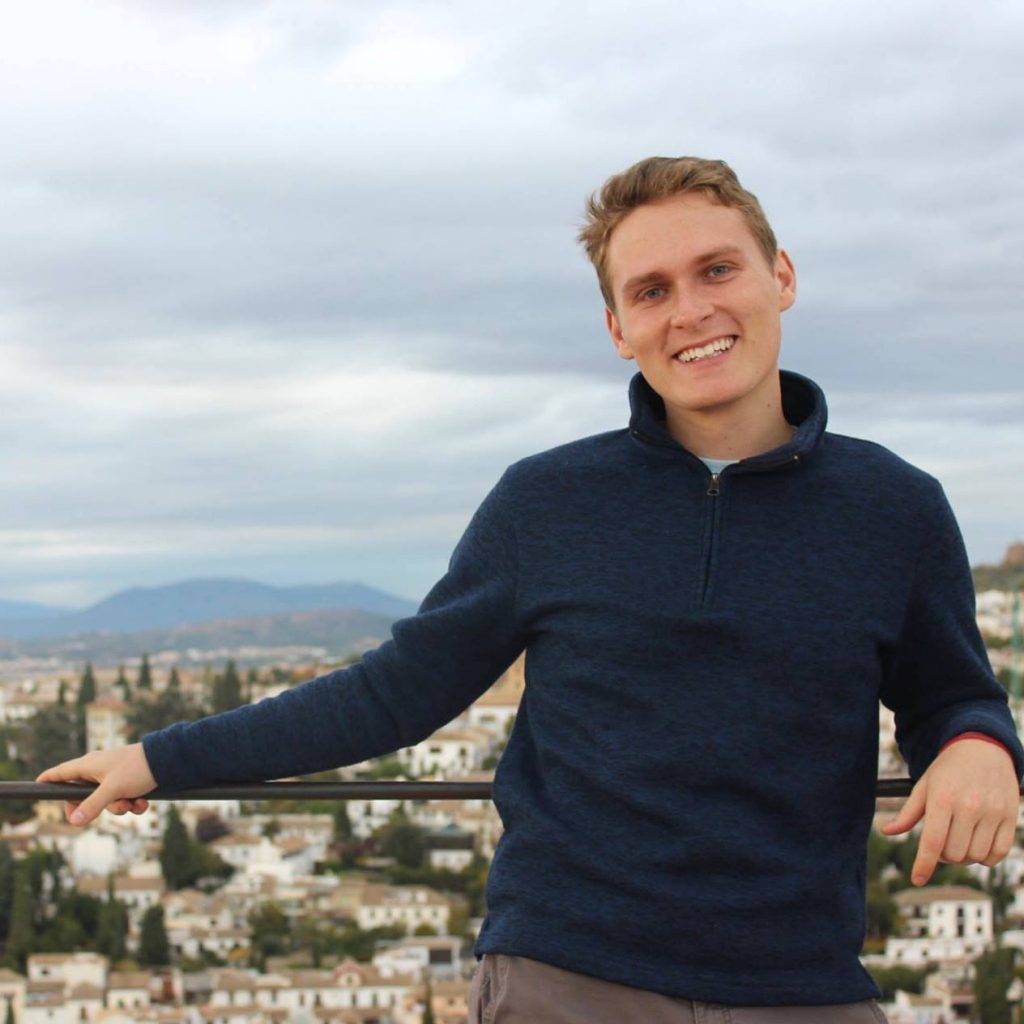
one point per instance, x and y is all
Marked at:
(699, 309)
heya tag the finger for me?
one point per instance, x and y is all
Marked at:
(1003, 842)
(959, 838)
(91, 806)
(140, 806)
(120, 807)
(980, 846)
(932, 844)
(67, 771)
(70, 806)
(910, 813)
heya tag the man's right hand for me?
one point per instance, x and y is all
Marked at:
(122, 776)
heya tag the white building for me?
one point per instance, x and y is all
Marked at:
(449, 752)
(105, 723)
(408, 906)
(943, 922)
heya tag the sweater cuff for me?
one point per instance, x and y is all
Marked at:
(976, 736)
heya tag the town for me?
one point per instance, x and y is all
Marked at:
(364, 911)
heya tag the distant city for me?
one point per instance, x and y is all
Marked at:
(357, 911)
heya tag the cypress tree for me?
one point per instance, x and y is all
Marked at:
(62, 694)
(428, 1012)
(227, 689)
(8, 875)
(87, 687)
(145, 681)
(122, 684)
(9, 1019)
(112, 930)
(154, 949)
(174, 682)
(85, 696)
(176, 859)
(19, 933)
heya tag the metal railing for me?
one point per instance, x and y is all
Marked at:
(884, 787)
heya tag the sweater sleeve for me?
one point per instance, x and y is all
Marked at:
(437, 662)
(938, 680)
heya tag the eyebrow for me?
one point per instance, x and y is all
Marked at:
(657, 275)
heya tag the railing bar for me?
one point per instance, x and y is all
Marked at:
(886, 787)
(267, 791)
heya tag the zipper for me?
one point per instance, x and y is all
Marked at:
(714, 491)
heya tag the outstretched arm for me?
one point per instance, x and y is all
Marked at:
(466, 633)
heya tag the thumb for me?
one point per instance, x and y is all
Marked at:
(910, 813)
(93, 804)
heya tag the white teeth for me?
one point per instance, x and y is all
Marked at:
(710, 349)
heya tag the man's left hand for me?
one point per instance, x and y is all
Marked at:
(968, 798)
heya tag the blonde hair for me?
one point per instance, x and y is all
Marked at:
(661, 177)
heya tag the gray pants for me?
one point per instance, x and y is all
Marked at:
(517, 990)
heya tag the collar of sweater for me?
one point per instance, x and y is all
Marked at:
(803, 405)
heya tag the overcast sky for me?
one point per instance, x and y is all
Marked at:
(285, 286)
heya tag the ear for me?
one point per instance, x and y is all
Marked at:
(785, 276)
(612, 323)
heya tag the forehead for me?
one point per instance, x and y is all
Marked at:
(672, 233)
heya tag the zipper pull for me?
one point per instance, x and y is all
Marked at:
(713, 489)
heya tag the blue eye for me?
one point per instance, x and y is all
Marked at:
(647, 293)
(719, 266)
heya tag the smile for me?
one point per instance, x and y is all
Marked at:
(711, 349)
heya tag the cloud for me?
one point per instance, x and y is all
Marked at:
(283, 270)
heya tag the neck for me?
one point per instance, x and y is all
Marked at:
(732, 433)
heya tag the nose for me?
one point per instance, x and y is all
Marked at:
(692, 306)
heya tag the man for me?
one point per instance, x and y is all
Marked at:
(713, 601)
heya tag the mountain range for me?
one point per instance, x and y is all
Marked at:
(193, 603)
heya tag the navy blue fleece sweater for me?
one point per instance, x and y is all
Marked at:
(689, 785)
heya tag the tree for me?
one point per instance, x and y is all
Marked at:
(403, 840)
(906, 979)
(8, 875)
(167, 707)
(14, 810)
(880, 854)
(62, 693)
(992, 977)
(342, 822)
(227, 689)
(154, 949)
(87, 686)
(85, 696)
(123, 685)
(174, 680)
(112, 929)
(145, 680)
(252, 680)
(175, 853)
(48, 737)
(210, 827)
(882, 913)
(20, 931)
(271, 934)
(428, 1010)
(185, 861)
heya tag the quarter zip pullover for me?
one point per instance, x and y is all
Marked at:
(689, 786)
